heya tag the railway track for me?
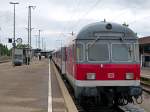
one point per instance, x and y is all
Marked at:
(145, 87)
(132, 108)
(91, 107)
(4, 61)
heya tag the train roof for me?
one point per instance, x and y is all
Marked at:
(106, 30)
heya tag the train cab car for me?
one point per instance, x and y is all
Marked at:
(103, 62)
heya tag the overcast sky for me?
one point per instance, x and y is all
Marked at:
(57, 18)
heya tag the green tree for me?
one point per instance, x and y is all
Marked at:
(4, 51)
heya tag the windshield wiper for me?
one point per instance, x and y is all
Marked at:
(129, 48)
(94, 41)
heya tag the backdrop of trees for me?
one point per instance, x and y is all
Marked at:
(4, 51)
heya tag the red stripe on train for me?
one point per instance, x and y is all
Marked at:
(103, 71)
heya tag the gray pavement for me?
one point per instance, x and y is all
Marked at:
(58, 104)
(145, 72)
(24, 88)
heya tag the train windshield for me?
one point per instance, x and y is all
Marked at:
(79, 51)
(122, 52)
(136, 52)
(98, 52)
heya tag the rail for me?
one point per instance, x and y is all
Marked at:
(4, 61)
(145, 82)
(145, 87)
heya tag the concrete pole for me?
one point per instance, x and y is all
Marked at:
(36, 42)
(30, 26)
(28, 37)
(42, 44)
(45, 45)
(29, 33)
(14, 31)
(39, 42)
(0, 43)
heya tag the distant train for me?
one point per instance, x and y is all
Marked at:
(102, 62)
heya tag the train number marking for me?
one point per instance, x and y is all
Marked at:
(111, 75)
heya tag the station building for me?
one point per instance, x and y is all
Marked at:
(144, 47)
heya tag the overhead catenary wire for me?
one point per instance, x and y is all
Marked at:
(74, 9)
(75, 6)
(83, 15)
(86, 13)
(122, 12)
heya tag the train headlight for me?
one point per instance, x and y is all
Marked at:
(90, 76)
(129, 76)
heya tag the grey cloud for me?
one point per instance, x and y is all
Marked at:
(74, 8)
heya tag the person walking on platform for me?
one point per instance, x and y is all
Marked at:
(40, 57)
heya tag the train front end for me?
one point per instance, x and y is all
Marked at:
(107, 64)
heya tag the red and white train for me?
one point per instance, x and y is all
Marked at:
(102, 61)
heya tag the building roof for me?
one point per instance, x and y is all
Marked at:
(144, 40)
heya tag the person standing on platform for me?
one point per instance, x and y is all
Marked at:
(39, 56)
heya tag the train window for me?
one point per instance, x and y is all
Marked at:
(122, 52)
(136, 52)
(63, 54)
(79, 52)
(73, 52)
(98, 52)
(68, 55)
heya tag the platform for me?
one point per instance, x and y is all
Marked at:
(26, 88)
(145, 72)
(58, 104)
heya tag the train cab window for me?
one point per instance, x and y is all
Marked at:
(79, 52)
(136, 52)
(98, 52)
(63, 54)
(122, 52)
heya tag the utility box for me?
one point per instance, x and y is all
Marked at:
(18, 57)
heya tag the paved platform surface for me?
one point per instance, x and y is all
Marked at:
(58, 104)
(145, 72)
(26, 88)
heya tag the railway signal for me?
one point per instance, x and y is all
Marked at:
(9, 40)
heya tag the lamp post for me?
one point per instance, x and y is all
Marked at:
(39, 39)
(0, 43)
(29, 33)
(14, 31)
(29, 24)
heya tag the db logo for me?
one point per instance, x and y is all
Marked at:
(111, 75)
